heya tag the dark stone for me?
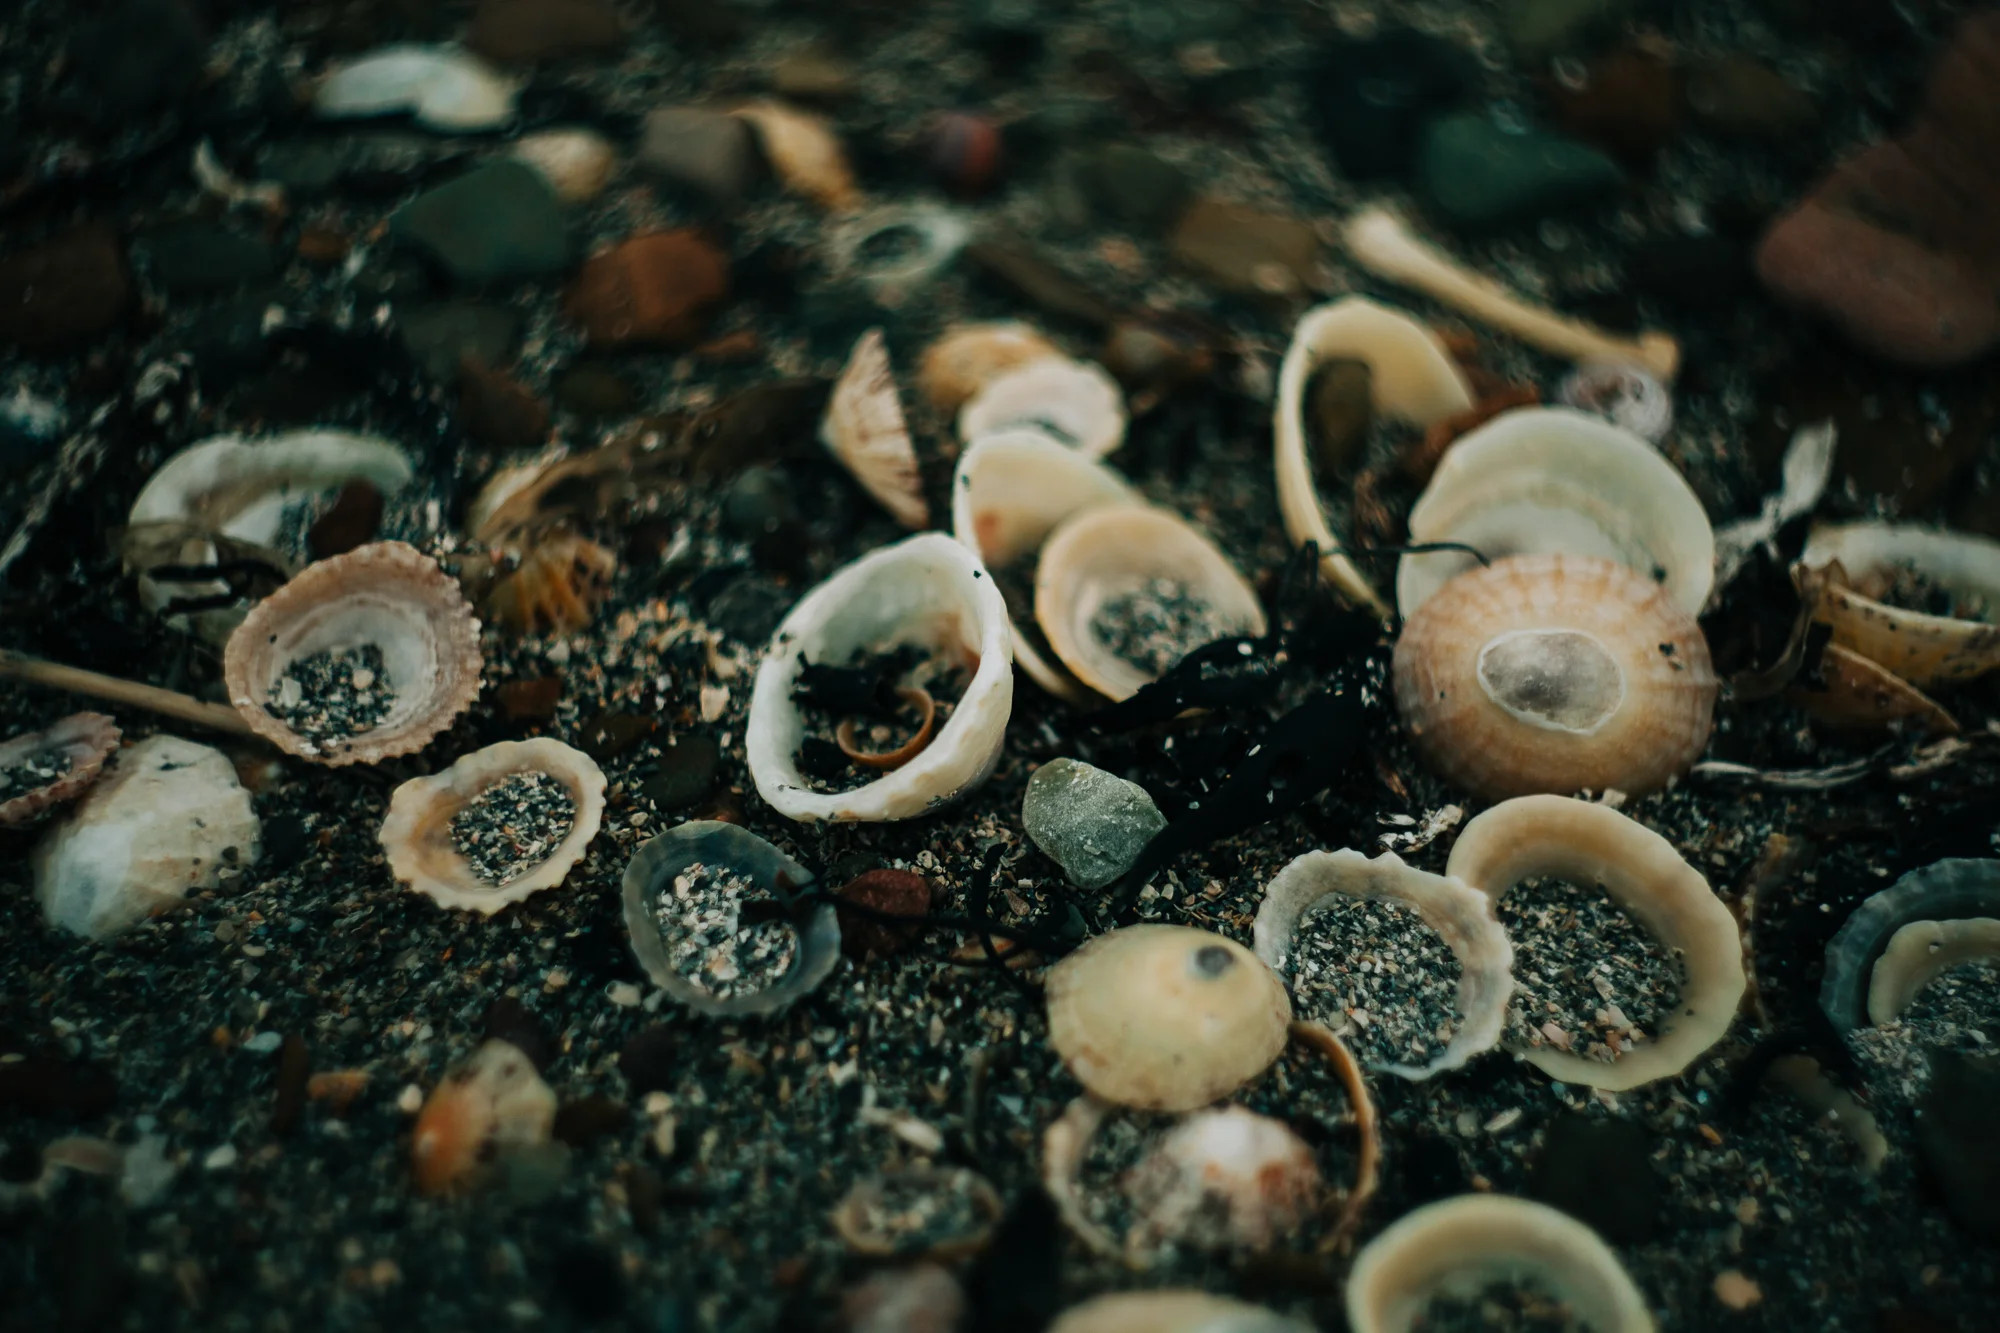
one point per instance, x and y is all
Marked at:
(761, 424)
(1628, 105)
(64, 290)
(351, 521)
(651, 1060)
(524, 31)
(508, 1020)
(1955, 1136)
(440, 336)
(582, 1122)
(51, 1085)
(758, 502)
(1014, 269)
(1125, 185)
(294, 1069)
(140, 56)
(200, 258)
(1600, 1172)
(687, 773)
(1477, 174)
(530, 700)
(596, 392)
(285, 841)
(1372, 97)
(497, 410)
(748, 610)
(1738, 97)
(1246, 251)
(1538, 29)
(710, 154)
(590, 1282)
(1701, 273)
(609, 735)
(501, 222)
(895, 892)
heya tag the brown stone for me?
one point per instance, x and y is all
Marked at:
(896, 892)
(349, 522)
(1628, 105)
(657, 288)
(523, 31)
(63, 290)
(531, 700)
(1244, 250)
(498, 410)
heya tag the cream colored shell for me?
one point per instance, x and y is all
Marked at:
(865, 430)
(1226, 1178)
(1897, 941)
(1553, 673)
(416, 835)
(577, 164)
(1172, 1312)
(1074, 401)
(1919, 954)
(1640, 870)
(1105, 552)
(968, 357)
(1165, 1018)
(805, 154)
(1922, 649)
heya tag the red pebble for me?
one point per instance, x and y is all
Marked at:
(896, 892)
(965, 152)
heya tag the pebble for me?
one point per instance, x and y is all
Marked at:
(1478, 175)
(1737, 1291)
(530, 700)
(519, 32)
(688, 769)
(1955, 1137)
(1091, 823)
(497, 410)
(1628, 104)
(440, 337)
(1538, 29)
(710, 154)
(577, 164)
(1600, 1171)
(200, 258)
(221, 1159)
(748, 610)
(609, 735)
(812, 75)
(897, 892)
(264, 1043)
(1739, 97)
(64, 290)
(500, 222)
(1124, 184)
(1371, 96)
(443, 87)
(654, 289)
(965, 152)
(1246, 251)
(596, 392)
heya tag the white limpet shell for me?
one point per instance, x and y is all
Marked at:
(1899, 941)
(1077, 402)
(1549, 479)
(1012, 489)
(1223, 1179)
(1459, 913)
(1105, 552)
(1457, 1247)
(1593, 844)
(416, 835)
(1172, 1312)
(864, 428)
(1922, 649)
(926, 591)
(804, 152)
(576, 163)
(969, 356)
(930, 238)
(443, 87)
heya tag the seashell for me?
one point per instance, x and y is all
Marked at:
(1623, 394)
(1861, 563)
(1547, 479)
(1849, 692)
(167, 817)
(388, 595)
(1459, 913)
(1457, 1246)
(1412, 379)
(805, 154)
(1802, 1076)
(1224, 1179)
(1555, 673)
(577, 164)
(864, 428)
(1172, 1312)
(1076, 402)
(896, 250)
(968, 357)
(894, 1216)
(556, 586)
(926, 591)
(650, 883)
(1578, 840)
(40, 770)
(1012, 489)
(417, 834)
(1105, 556)
(1165, 1018)
(443, 87)
(1899, 940)
(488, 1107)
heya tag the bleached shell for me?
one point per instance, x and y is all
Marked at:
(1171, 1312)
(444, 87)
(1107, 551)
(1459, 913)
(1864, 983)
(165, 819)
(1077, 402)
(1922, 649)
(1850, 692)
(1012, 489)
(488, 1106)
(416, 835)
(1165, 1018)
(1222, 1179)
(1593, 844)
(804, 153)
(387, 594)
(84, 740)
(1548, 479)
(864, 428)
(968, 357)
(1412, 380)
(1640, 690)
(577, 164)
(1456, 1247)
(926, 591)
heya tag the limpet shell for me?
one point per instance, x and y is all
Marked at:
(1172, 1312)
(1899, 940)
(1643, 874)
(968, 357)
(865, 430)
(443, 87)
(387, 594)
(1165, 1018)
(1106, 552)
(1224, 1179)
(1076, 402)
(86, 740)
(1857, 562)
(927, 591)
(416, 835)
(858, 1216)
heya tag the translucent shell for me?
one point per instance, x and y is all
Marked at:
(1640, 870)
(1224, 1179)
(416, 836)
(1899, 940)
(1551, 673)
(81, 741)
(1548, 479)
(386, 594)
(1456, 1246)
(970, 356)
(1859, 562)
(1107, 552)
(1077, 402)
(444, 87)
(488, 1106)
(1165, 1018)
(865, 430)
(1171, 1312)
(805, 154)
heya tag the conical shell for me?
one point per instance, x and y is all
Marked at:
(1857, 561)
(970, 356)
(1077, 402)
(864, 427)
(81, 741)
(1864, 983)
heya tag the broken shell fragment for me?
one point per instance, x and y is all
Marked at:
(1555, 673)
(40, 770)
(1640, 870)
(418, 840)
(1627, 396)
(805, 154)
(1901, 939)
(1165, 1018)
(1172, 1312)
(489, 1106)
(387, 595)
(1224, 1179)
(1076, 402)
(970, 356)
(1848, 692)
(938, 1213)
(891, 760)
(928, 593)
(1459, 913)
(1456, 1247)
(443, 87)
(865, 430)
(556, 586)
(1865, 567)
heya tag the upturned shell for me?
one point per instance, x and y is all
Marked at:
(927, 591)
(40, 770)
(444, 87)
(1076, 402)
(1554, 673)
(1105, 554)
(1165, 1018)
(805, 154)
(387, 594)
(1849, 692)
(970, 356)
(416, 836)
(1547, 479)
(1172, 1312)
(864, 428)
(490, 1105)
(1861, 562)
(1874, 969)
(1224, 1179)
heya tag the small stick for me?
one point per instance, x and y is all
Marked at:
(1367, 1171)
(56, 676)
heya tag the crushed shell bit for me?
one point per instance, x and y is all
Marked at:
(1625, 395)
(1874, 970)
(864, 428)
(1850, 692)
(490, 1105)
(805, 154)
(938, 1213)
(43, 769)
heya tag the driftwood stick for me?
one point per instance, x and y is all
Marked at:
(56, 676)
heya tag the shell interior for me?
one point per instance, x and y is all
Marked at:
(865, 430)
(1077, 402)
(867, 1214)
(1858, 988)
(1172, 1312)
(42, 769)
(1860, 565)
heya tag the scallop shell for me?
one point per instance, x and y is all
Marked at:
(805, 154)
(1922, 649)
(1553, 673)
(1107, 552)
(1165, 1018)
(1457, 1246)
(85, 740)
(927, 591)
(1547, 479)
(1012, 489)
(970, 356)
(387, 594)
(653, 868)
(1076, 402)
(864, 428)
(444, 87)
(1854, 693)
(1639, 869)
(1459, 913)
(1412, 379)
(859, 1216)
(1224, 1179)
(416, 836)
(1874, 968)
(1172, 1312)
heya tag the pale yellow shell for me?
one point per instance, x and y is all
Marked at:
(970, 356)
(1852, 561)
(865, 430)
(1224, 1179)
(805, 154)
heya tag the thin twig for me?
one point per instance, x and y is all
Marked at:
(56, 676)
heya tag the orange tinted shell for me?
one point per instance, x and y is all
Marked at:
(487, 1104)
